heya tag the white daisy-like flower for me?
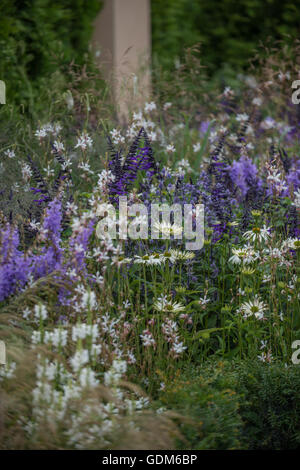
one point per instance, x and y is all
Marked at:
(291, 244)
(255, 307)
(245, 255)
(145, 259)
(167, 229)
(178, 255)
(257, 234)
(163, 304)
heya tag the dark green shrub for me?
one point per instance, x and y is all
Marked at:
(231, 404)
(229, 31)
(271, 406)
(207, 398)
(39, 36)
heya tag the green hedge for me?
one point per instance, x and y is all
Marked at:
(229, 30)
(39, 36)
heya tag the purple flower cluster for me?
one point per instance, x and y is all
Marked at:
(14, 264)
(137, 159)
(46, 256)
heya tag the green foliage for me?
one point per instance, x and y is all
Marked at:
(38, 37)
(229, 31)
(271, 405)
(235, 404)
(207, 399)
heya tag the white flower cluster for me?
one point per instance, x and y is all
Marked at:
(84, 141)
(48, 129)
(68, 407)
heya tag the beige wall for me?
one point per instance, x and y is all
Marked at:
(123, 36)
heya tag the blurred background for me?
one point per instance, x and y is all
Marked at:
(39, 38)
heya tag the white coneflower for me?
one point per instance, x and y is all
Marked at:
(120, 260)
(167, 229)
(163, 304)
(178, 255)
(257, 234)
(237, 256)
(255, 308)
(145, 259)
(156, 259)
(291, 244)
(248, 271)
